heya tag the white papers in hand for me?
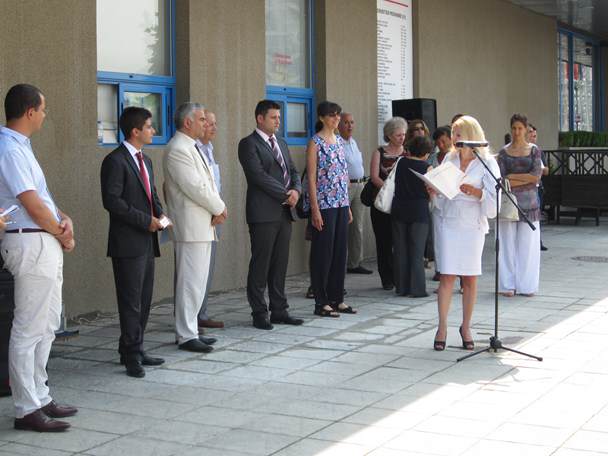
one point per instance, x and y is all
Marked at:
(446, 179)
(165, 221)
(10, 210)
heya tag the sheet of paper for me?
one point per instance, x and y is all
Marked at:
(10, 210)
(446, 179)
(165, 221)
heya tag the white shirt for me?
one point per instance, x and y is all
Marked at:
(133, 151)
(354, 159)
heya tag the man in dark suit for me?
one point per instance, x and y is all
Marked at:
(273, 189)
(129, 195)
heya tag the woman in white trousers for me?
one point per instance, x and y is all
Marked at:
(462, 224)
(519, 257)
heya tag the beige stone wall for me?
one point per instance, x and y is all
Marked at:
(346, 72)
(487, 58)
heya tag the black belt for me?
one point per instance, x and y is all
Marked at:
(358, 181)
(26, 230)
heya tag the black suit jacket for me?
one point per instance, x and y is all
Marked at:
(124, 197)
(265, 186)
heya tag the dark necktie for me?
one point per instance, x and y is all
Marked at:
(144, 177)
(279, 156)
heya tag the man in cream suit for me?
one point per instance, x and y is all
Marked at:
(195, 207)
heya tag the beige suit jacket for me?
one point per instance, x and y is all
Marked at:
(190, 192)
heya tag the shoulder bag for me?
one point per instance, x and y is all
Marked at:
(384, 200)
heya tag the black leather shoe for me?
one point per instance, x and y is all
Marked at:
(39, 422)
(261, 321)
(134, 369)
(195, 345)
(145, 360)
(359, 270)
(207, 340)
(54, 410)
(285, 319)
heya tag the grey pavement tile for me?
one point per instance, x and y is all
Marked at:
(306, 330)
(130, 445)
(111, 422)
(94, 354)
(358, 336)
(257, 372)
(287, 425)
(531, 435)
(283, 338)
(285, 362)
(83, 340)
(311, 353)
(495, 448)
(366, 358)
(308, 409)
(74, 440)
(259, 347)
(364, 435)
(203, 366)
(308, 447)
(182, 432)
(195, 395)
(334, 345)
(251, 441)
(303, 377)
(382, 379)
(346, 369)
(63, 364)
(218, 416)
(433, 443)
(394, 419)
(233, 356)
(14, 449)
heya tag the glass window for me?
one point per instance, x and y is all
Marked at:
(564, 83)
(288, 67)
(287, 43)
(143, 74)
(144, 26)
(583, 85)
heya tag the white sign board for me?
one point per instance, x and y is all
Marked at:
(394, 42)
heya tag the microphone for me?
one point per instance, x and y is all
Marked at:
(472, 144)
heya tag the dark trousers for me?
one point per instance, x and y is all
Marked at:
(409, 240)
(268, 265)
(328, 257)
(134, 280)
(381, 223)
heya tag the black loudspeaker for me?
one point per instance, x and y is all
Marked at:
(417, 108)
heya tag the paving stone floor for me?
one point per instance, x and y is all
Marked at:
(368, 384)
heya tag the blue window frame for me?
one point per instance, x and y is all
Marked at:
(155, 91)
(580, 82)
(289, 58)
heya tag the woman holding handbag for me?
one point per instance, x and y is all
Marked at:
(519, 256)
(462, 225)
(382, 162)
(329, 212)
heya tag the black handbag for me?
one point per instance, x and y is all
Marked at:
(368, 193)
(300, 211)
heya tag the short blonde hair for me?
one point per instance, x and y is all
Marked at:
(393, 124)
(471, 130)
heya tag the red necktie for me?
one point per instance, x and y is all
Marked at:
(279, 156)
(144, 178)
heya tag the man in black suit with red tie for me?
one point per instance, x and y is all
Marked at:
(273, 189)
(129, 195)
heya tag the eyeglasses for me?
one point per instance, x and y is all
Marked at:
(333, 114)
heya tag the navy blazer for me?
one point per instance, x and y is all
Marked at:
(265, 185)
(124, 197)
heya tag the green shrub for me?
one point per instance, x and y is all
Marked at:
(583, 139)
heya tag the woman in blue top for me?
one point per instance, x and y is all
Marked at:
(329, 212)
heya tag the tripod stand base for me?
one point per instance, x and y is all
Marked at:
(496, 344)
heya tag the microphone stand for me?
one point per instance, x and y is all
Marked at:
(495, 342)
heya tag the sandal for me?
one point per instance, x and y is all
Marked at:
(322, 311)
(527, 295)
(438, 345)
(507, 294)
(466, 344)
(344, 310)
(310, 294)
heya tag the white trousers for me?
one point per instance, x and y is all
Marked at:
(519, 257)
(36, 262)
(355, 229)
(191, 270)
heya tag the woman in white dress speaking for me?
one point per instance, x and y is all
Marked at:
(462, 228)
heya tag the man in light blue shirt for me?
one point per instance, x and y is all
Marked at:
(206, 148)
(32, 250)
(356, 174)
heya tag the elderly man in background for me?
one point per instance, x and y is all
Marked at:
(356, 174)
(206, 147)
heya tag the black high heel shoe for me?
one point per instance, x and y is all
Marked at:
(466, 344)
(438, 345)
